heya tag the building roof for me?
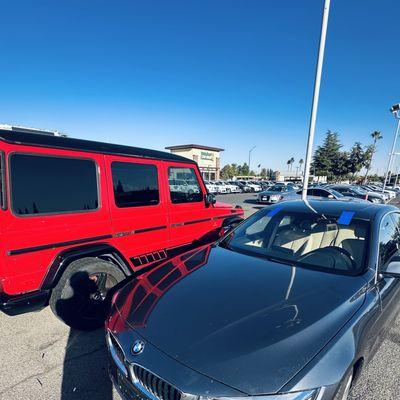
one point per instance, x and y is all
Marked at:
(67, 143)
(193, 146)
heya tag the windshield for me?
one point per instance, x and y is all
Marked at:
(276, 188)
(334, 244)
(358, 190)
(336, 193)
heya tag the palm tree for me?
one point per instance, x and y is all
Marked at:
(288, 164)
(291, 162)
(376, 135)
(301, 162)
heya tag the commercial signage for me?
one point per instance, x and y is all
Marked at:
(206, 155)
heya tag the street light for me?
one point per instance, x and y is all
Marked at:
(250, 157)
(314, 108)
(395, 110)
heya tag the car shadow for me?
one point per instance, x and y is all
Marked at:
(85, 371)
(250, 201)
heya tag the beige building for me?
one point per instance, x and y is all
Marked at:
(207, 158)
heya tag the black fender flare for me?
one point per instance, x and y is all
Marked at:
(65, 257)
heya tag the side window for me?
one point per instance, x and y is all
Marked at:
(388, 241)
(321, 193)
(310, 192)
(183, 185)
(46, 184)
(135, 185)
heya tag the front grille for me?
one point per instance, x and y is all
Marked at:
(155, 385)
(117, 348)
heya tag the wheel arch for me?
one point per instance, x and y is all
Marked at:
(64, 258)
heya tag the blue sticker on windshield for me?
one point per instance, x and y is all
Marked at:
(274, 211)
(346, 217)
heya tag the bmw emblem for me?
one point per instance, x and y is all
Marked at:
(137, 347)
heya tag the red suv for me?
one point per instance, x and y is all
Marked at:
(77, 217)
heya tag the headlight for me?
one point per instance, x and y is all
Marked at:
(307, 395)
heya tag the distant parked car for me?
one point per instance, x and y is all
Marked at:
(353, 191)
(391, 194)
(319, 193)
(221, 187)
(231, 188)
(255, 187)
(274, 194)
(211, 187)
(242, 186)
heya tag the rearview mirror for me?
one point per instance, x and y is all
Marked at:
(393, 268)
(210, 199)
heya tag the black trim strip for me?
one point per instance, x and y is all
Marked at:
(154, 228)
(55, 245)
(196, 221)
(141, 230)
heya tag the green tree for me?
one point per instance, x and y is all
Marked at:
(226, 172)
(245, 169)
(234, 167)
(340, 169)
(263, 173)
(327, 155)
(356, 159)
(376, 135)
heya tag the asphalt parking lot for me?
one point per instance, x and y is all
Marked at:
(41, 358)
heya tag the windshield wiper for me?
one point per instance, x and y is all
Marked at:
(280, 260)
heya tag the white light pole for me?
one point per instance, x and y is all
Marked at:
(250, 156)
(314, 108)
(395, 110)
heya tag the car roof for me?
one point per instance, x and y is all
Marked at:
(362, 210)
(66, 143)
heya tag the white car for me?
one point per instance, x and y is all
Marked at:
(214, 189)
(230, 188)
(221, 187)
(254, 187)
(180, 185)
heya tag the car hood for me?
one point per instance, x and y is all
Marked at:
(249, 323)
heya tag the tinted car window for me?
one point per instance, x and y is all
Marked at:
(183, 185)
(135, 184)
(388, 240)
(44, 184)
(321, 193)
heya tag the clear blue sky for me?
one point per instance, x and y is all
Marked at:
(225, 73)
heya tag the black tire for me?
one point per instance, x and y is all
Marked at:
(81, 296)
(345, 386)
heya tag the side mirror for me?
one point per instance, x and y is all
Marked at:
(225, 230)
(393, 268)
(210, 199)
(331, 196)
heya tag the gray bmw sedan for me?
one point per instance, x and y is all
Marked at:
(290, 305)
